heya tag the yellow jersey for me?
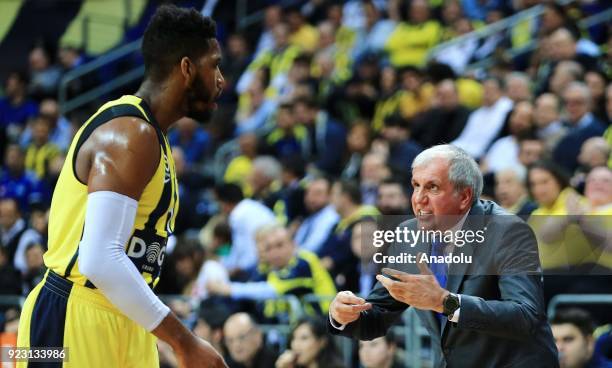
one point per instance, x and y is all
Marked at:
(157, 206)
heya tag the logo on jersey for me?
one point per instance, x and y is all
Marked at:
(166, 169)
(147, 251)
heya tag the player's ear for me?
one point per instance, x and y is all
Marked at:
(188, 71)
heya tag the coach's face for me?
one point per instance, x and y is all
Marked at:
(436, 203)
(206, 85)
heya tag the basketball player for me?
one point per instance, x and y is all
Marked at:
(114, 207)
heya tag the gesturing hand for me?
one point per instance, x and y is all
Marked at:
(346, 307)
(420, 291)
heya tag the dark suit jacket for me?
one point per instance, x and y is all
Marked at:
(502, 321)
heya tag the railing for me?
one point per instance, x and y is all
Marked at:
(505, 25)
(577, 299)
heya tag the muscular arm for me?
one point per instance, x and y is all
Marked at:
(118, 160)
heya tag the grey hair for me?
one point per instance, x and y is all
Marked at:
(582, 88)
(463, 171)
(518, 170)
(269, 166)
(523, 77)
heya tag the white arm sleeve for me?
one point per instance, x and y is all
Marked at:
(109, 220)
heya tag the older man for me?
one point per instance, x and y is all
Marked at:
(487, 313)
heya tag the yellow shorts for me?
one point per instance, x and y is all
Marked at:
(58, 313)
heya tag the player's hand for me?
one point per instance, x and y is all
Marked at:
(286, 360)
(346, 307)
(199, 353)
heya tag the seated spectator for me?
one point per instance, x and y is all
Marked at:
(596, 81)
(417, 92)
(282, 270)
(412, 39)
(36, 269)
(61, 129)
(573, 333)
(445, 120)
(212, 270)
(531, 150)
(288, 202)
(372, 37)
(380, 352)
(35, 234)
(10, 280)
(393, 198)
(321, 219)
(504, 152)
(264, 179)
(547, 119)
(301, 33)
(12, 226)
(511, 192)
(327, 137)
(564, 73)
(594, 152)
(17, 183)
(401, 150)
(16, 109)
(245, 216)
(289, 137)
(358, 143)
(336, 254)
(187, 258)
(40, 152)
(373, 172)
(582, 125)
(485, 123)
(209, 324)
(245, 343)
(258, 109)
(310, 346)
(240, 166)
(192, 139)
(45, 77)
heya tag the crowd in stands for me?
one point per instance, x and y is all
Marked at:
(313, 141)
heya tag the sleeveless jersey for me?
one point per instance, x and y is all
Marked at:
(157, 206)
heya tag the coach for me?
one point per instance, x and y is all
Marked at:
(488, 313)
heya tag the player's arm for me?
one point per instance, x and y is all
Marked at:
(118, 160)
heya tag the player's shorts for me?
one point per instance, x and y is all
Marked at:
(59, 313)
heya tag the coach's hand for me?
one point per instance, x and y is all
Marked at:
(199, 353)
(346, 307)
(420, 291)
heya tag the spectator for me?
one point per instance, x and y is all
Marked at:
(10, 280)
(547, 119)
(16, 182)
(564, 73)
(35, 234)
(245, 343)
(573, 333)
(265, 179)
(531, 150)
(322, 217)
(282, 270)
(240, 166)
(327, 137)
(373, 172)
(45, 77)
(272, 16)
(411, 40)
(358, 142)
(41, 152)
(445, 120)
(245, 216)
(485, 123)
(258, 110)
(35, 267)
(336, 253)
(504, 152)
(402, 149)
(16, 108)
(12, 226)
(582, 125)
(235, 62)
(511, 192)
(192, 139)
(372, 37)
(594, 152)
(596, 81)
(379, 353)
(209, 325)
(61, 129)
(311, 346)
(393, 199)
(518, 87)
(564, 47)
(288, 202)
(288, 138)
(212, 269)
(302, 34)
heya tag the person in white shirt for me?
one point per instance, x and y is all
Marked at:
(314, 230)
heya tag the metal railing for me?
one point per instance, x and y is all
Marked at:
(577, 299)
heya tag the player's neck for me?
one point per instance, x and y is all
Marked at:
(159, 99)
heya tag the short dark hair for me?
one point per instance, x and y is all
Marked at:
(350, 189)
(172, 34)
(562, 177)
(577, 317)
(229, 193)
